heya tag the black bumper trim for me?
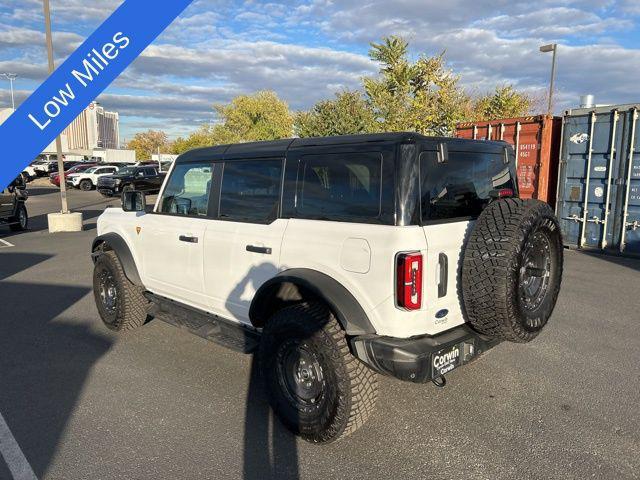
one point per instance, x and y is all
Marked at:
(410, 359)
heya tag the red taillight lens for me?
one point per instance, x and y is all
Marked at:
(409, 281)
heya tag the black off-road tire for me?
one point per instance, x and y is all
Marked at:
(496, 268)
(130, 309)
(128, 188)
(21, 219)
(86, 185)
(349, 388)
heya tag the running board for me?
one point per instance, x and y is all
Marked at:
(211, 327)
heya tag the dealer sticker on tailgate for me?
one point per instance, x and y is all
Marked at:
(446, 359)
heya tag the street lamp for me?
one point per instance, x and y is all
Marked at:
(63, 186)
(11, 77)
(552, 47)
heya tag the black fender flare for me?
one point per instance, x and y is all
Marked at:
(116, 243)
(342, 303)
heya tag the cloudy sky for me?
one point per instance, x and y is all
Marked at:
(308, 50)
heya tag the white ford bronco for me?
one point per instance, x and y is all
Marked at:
(336, 259)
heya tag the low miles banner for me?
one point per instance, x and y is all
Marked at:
(80, 79)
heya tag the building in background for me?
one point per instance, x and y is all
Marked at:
(94, 128)
(93, 135)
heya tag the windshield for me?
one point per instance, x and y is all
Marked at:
(91, 170)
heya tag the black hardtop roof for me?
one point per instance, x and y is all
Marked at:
(278, 148)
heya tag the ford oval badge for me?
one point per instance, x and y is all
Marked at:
(442, 313)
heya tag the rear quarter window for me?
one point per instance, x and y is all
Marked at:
(461, 187)
(340, 187)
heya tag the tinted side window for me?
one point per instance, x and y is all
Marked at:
(149, 171)
(461, 187)
(340, 187)
(187, 191)
(251, 190)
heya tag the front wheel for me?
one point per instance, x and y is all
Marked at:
(315, 386)
(120, 303)
(86, 185)
(21, 220)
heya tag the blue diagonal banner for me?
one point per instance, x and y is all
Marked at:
(80, 79)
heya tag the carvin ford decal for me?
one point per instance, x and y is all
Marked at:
(445, 361)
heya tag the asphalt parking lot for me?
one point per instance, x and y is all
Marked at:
(84, 403)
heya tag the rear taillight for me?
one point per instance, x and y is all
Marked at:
(409, 281)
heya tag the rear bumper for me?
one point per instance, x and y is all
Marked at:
(412, 359)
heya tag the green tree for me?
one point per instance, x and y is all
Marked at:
(262, 116)
(147, 143)
(202, 137)
(422, 96)
(348, 113)
(504, 102)
(247, 118)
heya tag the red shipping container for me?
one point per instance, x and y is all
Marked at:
(536, 141)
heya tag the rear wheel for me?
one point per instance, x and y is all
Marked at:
(315, 386)
(121, 304)
(21, 219)
(512, 269)
(86, 185)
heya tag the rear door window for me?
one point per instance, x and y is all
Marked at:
(187, 191)
(250, 190)
(340, 187)
(461, 187)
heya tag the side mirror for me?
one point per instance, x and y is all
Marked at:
(134, 201)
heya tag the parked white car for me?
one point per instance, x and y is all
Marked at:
(88, 179)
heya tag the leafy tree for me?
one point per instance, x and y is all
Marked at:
(504, 102)
(247, 118)
(203, 137)
(262, 116)
(348, 113)
(147, 143)
(422, 96)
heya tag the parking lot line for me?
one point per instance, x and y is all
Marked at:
(4, 243)
(13, 456)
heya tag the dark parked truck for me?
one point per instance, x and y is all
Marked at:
(145, 179)
(13, 211)
(336, 259)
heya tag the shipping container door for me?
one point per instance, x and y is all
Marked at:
(589, 174)
(630, 218)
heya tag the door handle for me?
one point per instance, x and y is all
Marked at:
(255, 249)
(188, 239)
(443, 261)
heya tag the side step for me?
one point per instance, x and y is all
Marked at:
(206, 325)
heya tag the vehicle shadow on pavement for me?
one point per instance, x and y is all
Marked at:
(44, 360)
(270, 450)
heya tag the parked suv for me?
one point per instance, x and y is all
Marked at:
(13, 211)
(88, 179)
(144, 178)
(336, 259)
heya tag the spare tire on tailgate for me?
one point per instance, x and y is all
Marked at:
(512, 269)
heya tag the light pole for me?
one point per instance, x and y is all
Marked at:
(11, 77)
(552, 47)
(63, 185)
